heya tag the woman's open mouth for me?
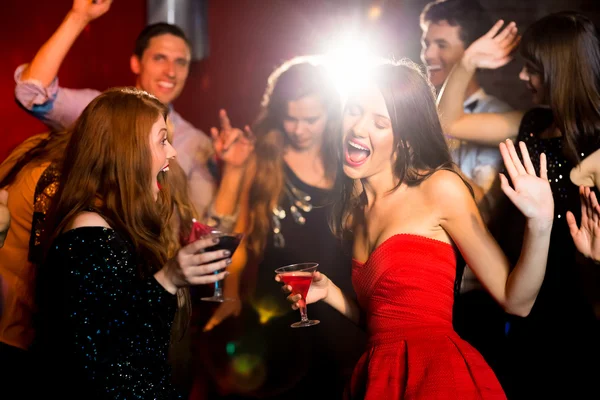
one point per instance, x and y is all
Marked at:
(356, 153)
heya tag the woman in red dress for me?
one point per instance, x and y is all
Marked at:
(409, 211)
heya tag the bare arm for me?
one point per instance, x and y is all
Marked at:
(487, 128)
(234, 147)
(342, 303)
(492, 50)
(46, 63)
(587, 172)
(240, 257)
(515, 291)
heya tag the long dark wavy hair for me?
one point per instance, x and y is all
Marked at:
(294, 79)
(565, 49)
(419, 142)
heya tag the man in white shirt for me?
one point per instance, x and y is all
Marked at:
(449, 27)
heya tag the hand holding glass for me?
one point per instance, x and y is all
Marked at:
(299, 277)
(227, 241)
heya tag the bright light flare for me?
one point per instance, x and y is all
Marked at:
(350, 63)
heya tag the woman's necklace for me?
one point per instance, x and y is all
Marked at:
(299, 201)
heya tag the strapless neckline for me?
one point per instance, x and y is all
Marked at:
(406, 235)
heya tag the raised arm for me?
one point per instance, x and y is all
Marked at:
(233, 147)
(37, 89)
(240, 257)
(46, 63)
(515, 291)
(492, 50)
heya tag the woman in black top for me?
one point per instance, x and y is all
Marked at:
(284, 213)
(550, 351)
(107, 293)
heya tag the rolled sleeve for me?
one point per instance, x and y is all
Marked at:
(55, 106)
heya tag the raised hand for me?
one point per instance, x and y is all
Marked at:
(4, 216)
(90, 9)
(319, 289)
(587, 236)
(531, 194)
(493, 50)
(232, 145)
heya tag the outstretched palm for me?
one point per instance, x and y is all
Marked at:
(587, 236)
(531, 194)
(493, 50)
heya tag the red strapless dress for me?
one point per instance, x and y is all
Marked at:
(406, 288)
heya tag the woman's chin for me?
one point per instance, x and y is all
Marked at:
(352, 172)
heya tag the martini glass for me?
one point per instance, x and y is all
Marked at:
(299, 277)
(227, 241)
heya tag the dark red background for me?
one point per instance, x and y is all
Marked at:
(247, 39)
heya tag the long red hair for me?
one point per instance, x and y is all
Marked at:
(107, 168)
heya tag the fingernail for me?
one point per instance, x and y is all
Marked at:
(227, 253)
(229, 261)
(227, 273)
(216, 240)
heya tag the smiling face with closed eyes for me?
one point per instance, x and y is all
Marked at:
(368, 136)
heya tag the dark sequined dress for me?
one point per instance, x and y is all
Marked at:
(559, 339)
(107, 328)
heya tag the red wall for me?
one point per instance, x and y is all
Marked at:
(99, 58)
(247, 39)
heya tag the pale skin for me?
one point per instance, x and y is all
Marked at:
(191, 265)
(441, 49)
(162, 71)
(586, 236)
(425, 213)
(304, 127)
(233, 146)
(4, 216)
(494, 50)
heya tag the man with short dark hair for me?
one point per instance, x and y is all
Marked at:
(160, 61)
(449, 27)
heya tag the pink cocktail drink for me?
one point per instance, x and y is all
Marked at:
(299, 277)
(300, 283)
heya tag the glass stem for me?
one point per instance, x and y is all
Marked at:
(303, 314)
(218, 288)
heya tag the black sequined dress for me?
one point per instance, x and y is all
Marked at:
(549, 349)
(107, 328)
